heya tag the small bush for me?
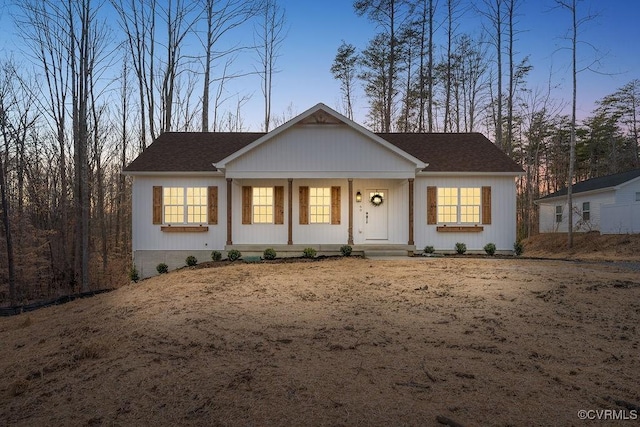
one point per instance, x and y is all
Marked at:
(162, 268)
(234, 255)
(429, 249)
(346, 250)
(490, 249)
(216, 256)
(309, 253)
(133, 274)
(191, 260)
(518, 248)
(461, 248)
(269, 253)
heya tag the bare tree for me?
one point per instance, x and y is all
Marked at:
(388, 15)
(221, 18)
(270, 33)
(344, 70)
(426, 29)
(494, 12)
(571, 6)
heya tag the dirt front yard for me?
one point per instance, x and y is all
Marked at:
(482, 342)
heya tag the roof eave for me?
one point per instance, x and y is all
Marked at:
(172, 173)
(468, 173)
(581, 193)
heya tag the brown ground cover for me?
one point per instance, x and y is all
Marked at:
(587, 246)
(484, 342)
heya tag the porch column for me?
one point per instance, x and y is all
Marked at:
(410, 242)
(350, 238)
(290, 211)
(229, 221)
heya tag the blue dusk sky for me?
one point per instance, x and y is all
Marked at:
(311, 46)
(316, 29)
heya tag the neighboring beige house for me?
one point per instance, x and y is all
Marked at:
(323, 181)
(608, 204)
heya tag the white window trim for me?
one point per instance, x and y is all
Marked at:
(459, 206)
(185, 206)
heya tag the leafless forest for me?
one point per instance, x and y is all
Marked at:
(98, 81)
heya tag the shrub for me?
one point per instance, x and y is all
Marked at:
(490, 249)
(346, 250)
(191, 260)
(309, 253)
(216, 256)
(269, 253)
(234, 255)
(461, 248)
(429, 249)
(518, 248)
(133, 274)
(162, 268)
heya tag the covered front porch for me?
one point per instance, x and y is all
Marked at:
(367, 214)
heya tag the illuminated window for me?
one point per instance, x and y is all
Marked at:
(320, 205)
(447, 205)
(184, 205)
(469, 205)
(459, 205)
(262, 205)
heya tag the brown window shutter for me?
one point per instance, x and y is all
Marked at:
(432, 205)
(304, 205)
(157, 205)
(278, 194)
(335, 205)
(486, 205)
(247, 194)
(213, 205)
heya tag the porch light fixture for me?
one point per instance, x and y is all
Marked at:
(358, 197)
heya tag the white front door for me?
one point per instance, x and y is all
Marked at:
(376, 209)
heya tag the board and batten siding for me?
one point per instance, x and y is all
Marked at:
(320, 151)
(501, 231)
(151, 246)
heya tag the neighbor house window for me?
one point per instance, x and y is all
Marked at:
(638, 196)
(586, 211)
(184, 205)
(459, 205)
(559, 213)
(320, 205)
(262, 206)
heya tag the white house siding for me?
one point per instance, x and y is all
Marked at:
(320, 151)
(596, 200)
(501, 231)
(626, 192)
(623, 216)
(152, 246)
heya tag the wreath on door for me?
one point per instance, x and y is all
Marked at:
(376, 199)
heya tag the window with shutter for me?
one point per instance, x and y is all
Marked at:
(335, 205)
(303, 202)
(213, 205)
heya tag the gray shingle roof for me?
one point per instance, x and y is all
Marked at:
(444, 152)
(598, 183)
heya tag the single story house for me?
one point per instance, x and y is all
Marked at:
(322, 181)
(608, 204)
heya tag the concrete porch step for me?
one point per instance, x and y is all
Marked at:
(378, 253)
